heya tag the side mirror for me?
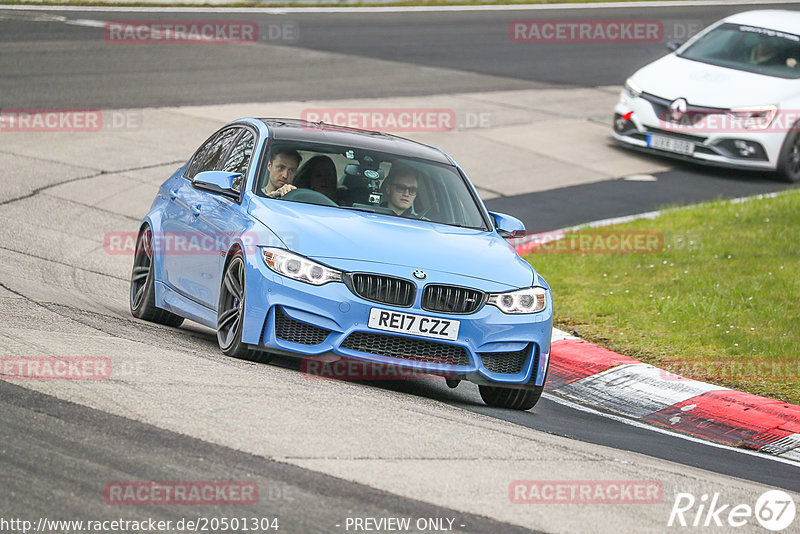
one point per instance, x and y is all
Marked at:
(674, 45)
(221, 182)
(507, 226)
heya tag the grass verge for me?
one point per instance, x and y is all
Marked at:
(718, 302)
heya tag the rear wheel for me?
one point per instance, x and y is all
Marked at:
(143, 294)
(230, 313)
(513, 399)
(789, 160)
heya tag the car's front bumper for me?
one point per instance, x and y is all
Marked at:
(636, 119)
(290, 317)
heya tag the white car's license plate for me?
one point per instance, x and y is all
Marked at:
(670, 144)
(418, 325)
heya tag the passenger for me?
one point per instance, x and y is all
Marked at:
(401, 187)
(319, 174)
(282, 166)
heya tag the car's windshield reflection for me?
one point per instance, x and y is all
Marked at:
(347, 178)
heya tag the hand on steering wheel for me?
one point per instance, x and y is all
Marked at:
(281, 191)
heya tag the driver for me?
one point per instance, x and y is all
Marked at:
(282, 166)
(402, 185)
(766, 52)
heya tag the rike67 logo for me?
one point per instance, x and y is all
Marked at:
(774, 510)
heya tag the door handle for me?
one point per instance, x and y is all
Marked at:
(196, 210)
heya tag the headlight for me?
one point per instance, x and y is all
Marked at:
(530, 300)
(631, 90)
(755, 118)
(299, 268)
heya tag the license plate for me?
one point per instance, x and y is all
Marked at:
(670, 144)
(418, 325)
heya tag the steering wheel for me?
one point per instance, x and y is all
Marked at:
(424, 213)
(308, 196)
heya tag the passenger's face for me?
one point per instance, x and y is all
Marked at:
(402, 192)
(323, 180)
(282, 170)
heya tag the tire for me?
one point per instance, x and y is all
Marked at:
(789, 159)
(143, 295)
(513, 399)
(230, 313)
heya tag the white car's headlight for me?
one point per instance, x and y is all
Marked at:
(754, 118)
(529, 300)
(631, 90)
(299, 268)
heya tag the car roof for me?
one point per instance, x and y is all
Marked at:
(313, 132)
(782, 20)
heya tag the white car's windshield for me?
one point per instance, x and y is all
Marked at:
(750, 49)
(352, 178)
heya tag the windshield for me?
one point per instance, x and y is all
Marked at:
(350, 178)
(748, 48)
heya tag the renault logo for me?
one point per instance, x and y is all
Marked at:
(677, 109)
(420, 275)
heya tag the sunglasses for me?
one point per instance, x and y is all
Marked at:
(401, 188)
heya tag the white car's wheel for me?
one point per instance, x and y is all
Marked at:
(789, 162)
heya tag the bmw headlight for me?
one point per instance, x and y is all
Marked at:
(529, 300)
(299, 268)
(631, 90)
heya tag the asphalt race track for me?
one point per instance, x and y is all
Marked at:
(321, 452)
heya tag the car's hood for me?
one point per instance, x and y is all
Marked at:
(702, 84)
(321, 232)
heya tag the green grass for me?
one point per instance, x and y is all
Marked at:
(720, 303)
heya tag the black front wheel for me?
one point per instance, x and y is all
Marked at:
(513, 399)
(230, 313)
(143, 294)
(789, 160)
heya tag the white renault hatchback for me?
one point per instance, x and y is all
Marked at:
(729, 96)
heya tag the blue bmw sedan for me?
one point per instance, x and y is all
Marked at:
(323, 243)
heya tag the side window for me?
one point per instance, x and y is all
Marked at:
(239, 158)
(213, 157)
(198, 158)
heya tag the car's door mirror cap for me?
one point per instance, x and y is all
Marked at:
(507, 226)
(217, 182)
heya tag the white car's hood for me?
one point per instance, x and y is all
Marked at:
(702, 84)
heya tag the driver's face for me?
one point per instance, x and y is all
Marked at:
(402, 192)
(282, 170)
